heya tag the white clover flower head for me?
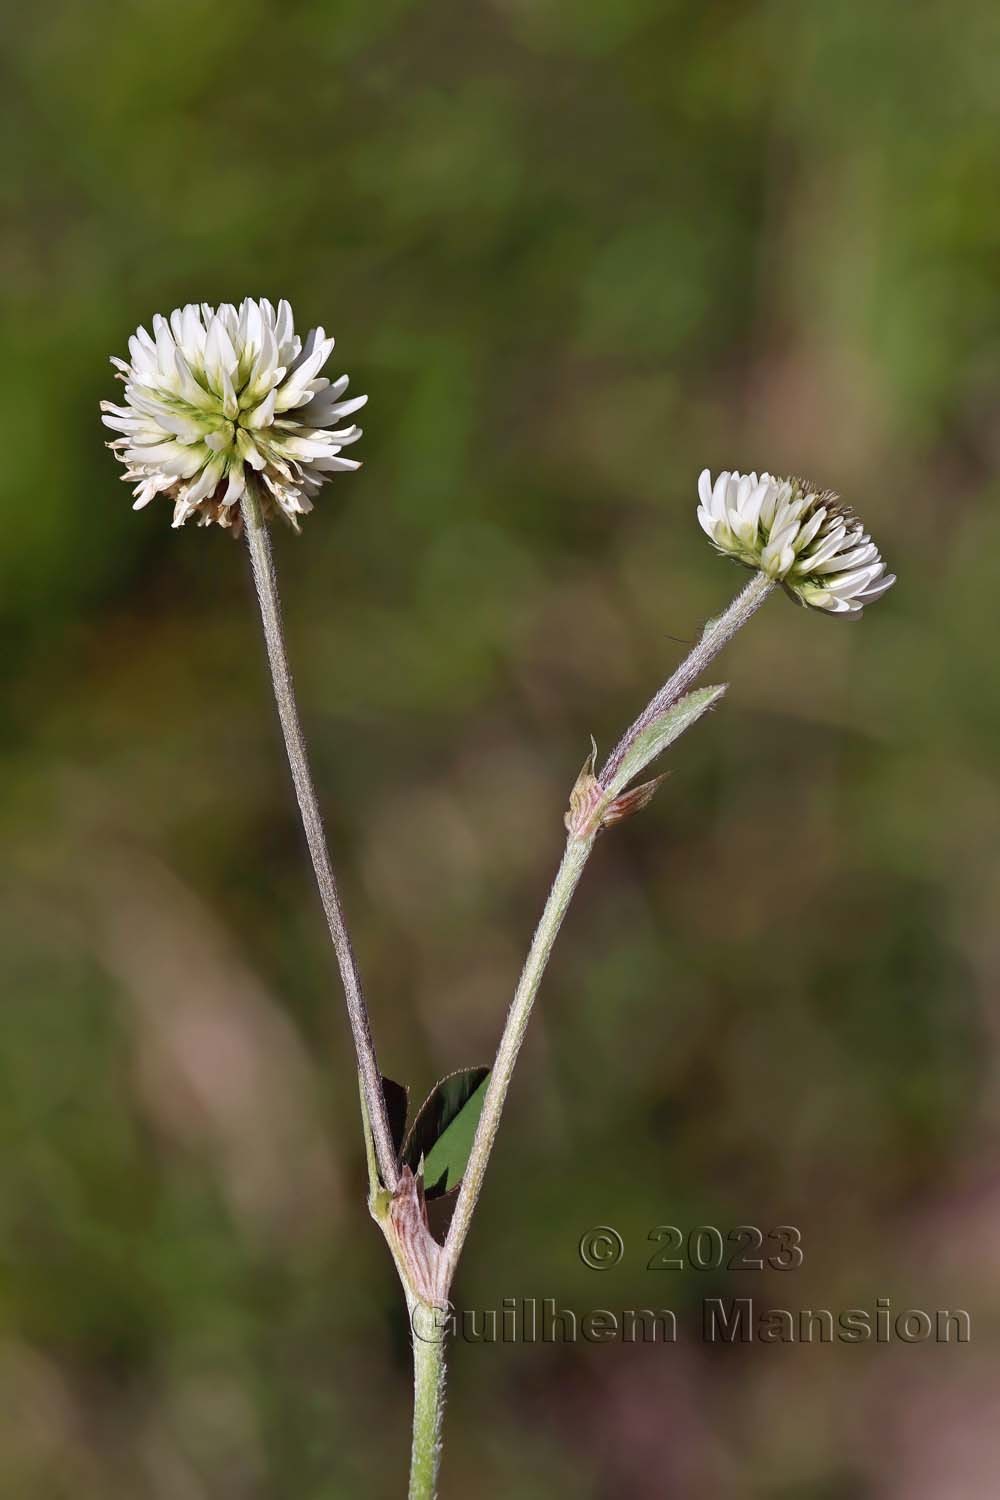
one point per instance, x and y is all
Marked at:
(220, 398)
(803, 538)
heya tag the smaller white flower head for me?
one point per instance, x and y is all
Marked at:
(804, 539)
(219, 398)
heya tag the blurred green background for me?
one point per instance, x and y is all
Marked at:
(575, 250)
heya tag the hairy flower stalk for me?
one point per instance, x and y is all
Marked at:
(216, 395)
(259, 545)
(593, 807)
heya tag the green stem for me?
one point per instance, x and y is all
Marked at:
(574, 859)
(428, 1406)
(714, 637)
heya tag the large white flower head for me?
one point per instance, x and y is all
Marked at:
(219, 398)
(804, 539)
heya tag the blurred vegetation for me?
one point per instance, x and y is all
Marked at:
(575, 250)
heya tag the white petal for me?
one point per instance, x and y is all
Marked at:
(877, 589)
(844, 585)
(261, 415)
(237, 485)
(854, 558)
(719, 492)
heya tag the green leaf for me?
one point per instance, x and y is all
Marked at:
(662, 732)
(443, 1130)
